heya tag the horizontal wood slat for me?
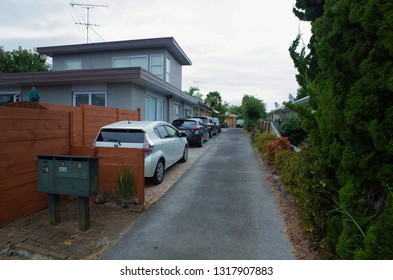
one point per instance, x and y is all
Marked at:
(113, 161)
(27, 129)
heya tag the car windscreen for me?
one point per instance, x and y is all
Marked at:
(121, 136)
(184, 123)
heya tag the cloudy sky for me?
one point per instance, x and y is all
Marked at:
(236, 47)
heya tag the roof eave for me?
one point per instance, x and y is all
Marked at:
(165, 42)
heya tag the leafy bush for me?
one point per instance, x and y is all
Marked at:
(291, 128)
(285, 162)
(272, 147)
(313, 190)
(262, 139)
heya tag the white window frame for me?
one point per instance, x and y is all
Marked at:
(176, 111)
(168, 70)
(128, 61)
(146, 66)
(159, 65)
(16, 95)
(90, 94)
(154, 109)
(76, 62)
(125, 59)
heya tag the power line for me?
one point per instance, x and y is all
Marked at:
(87, 24)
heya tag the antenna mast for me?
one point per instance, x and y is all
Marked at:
(87, 24)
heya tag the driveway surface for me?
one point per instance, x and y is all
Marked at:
(220, 209)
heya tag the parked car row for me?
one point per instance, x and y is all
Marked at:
(198, 129)
(164, 144)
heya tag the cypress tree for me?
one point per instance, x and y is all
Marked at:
(352, 96)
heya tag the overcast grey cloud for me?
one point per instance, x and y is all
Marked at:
(236, 47)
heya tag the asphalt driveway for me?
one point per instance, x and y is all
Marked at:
(221, 208)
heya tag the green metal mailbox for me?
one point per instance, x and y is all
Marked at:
(68, 175)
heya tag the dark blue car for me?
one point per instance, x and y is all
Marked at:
(194, 128)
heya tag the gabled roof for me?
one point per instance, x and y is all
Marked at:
(167, 42)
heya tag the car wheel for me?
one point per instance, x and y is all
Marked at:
(200, 144)
(185, 154)
(210, 134)
(158, 176)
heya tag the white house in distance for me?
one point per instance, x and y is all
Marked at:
(145, 74)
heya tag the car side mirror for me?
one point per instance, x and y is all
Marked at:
(183, 134)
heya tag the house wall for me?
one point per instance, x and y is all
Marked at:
(51, 94)
(138, 99)
(176, 71)
(120, 96)
(104, 60)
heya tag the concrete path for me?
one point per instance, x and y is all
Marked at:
(221, 208)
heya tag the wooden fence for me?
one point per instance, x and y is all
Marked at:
(27, 129)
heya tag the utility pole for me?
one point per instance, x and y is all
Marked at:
(87, 24)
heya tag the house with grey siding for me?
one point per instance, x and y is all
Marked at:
(144, 74)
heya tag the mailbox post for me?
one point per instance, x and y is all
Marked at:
(68, 175)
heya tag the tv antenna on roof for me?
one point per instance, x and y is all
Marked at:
(87, 24)
(197, 83)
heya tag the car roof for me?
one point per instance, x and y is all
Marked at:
(187, 119)
(134, 124)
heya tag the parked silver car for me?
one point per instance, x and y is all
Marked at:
(163, 144)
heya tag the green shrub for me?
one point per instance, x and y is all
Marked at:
(312, 189)
(291, 128)
(285, 163)
(378, 238)
(272, 147)
(261, 140)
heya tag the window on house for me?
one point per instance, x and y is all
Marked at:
(90, 98)
(130, 61)
(73, 64)
(139, 61)
(120, 62)
(168, 70)
(6, 98)
(157, 65)
(176, 111)
(154, 109)
(160, 110)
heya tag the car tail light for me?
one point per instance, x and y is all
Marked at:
(148, 146)
(195, 129)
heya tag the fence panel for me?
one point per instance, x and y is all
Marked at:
(27, 129)
(114, 161)
(24, 133)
